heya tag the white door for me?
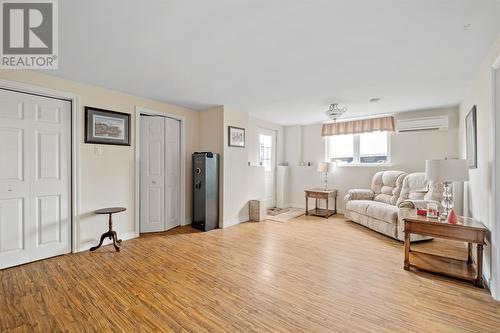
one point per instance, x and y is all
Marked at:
(35, 177)
(267, 158)
(160, 174)
(152, 208)
(172, 172)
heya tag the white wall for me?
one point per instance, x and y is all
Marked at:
(478, 192)
(409, 152)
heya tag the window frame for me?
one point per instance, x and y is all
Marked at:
(356, 152)
(270, 151)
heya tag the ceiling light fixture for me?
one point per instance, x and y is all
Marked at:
(335, 111)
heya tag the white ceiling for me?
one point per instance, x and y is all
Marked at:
(280, 60)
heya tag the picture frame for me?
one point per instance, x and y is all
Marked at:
(471, 137)
(106, 127)
(236, 137)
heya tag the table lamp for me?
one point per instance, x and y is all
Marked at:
(326, 168)
(447, 171)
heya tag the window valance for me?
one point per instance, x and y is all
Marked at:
(359, 126)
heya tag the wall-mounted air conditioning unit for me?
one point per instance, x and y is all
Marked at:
(438, 123)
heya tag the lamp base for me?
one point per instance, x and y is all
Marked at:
(447, 200)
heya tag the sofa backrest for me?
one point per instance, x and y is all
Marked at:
(387, 186)
(415, 187)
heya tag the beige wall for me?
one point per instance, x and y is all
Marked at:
(236, 169)
(212, 130)
(409, 152)
(212, 140)
(478, 192)
(108, 179)
(239, 182)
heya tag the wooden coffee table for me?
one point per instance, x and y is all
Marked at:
(466, 230)
(318, 194)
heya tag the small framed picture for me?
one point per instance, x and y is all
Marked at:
(471, 138)
(236, 137)
(106, 127)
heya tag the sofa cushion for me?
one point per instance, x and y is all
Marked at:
(358, 206)
(387, 186)
(378, 210)
(416, 187)
(384, 212)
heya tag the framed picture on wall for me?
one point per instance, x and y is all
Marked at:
(236, 137)
(471, 138)
(107, 127)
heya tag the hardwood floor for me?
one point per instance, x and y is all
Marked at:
(307, 275)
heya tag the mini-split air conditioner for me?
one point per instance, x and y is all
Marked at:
(438, 123)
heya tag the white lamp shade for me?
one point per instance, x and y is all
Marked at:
(325, 167)
(453, 170)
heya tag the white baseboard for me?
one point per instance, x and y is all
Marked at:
(234, 221)
(126, 236)
(188, 221)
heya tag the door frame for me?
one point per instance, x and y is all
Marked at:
(137, 185)
(495, 183)
(75, 154)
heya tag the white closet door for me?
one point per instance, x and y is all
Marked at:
(35, 178)
(14, 181)
(172, 173)
(152, 206)
(50, 178)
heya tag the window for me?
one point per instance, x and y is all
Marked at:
(265, 149)
(365, 148)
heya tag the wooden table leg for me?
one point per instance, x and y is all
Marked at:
(335, 211)
(326, 210)
(407, 251)
(307, 205)
(469, 253)
(478, 282)
(110, 234)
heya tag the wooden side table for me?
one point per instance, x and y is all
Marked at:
(465, 230)
(110, 233)
(319, 194)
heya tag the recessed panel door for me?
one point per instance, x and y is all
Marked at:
(152, 174)
(35, 178)
(50, 171)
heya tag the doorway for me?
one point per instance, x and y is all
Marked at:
(267, 159)
(35, 177)
(160, 169)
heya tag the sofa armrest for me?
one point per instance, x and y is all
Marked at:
(418, 204)
(359, 194)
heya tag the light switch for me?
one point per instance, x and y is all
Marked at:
(97, 150)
